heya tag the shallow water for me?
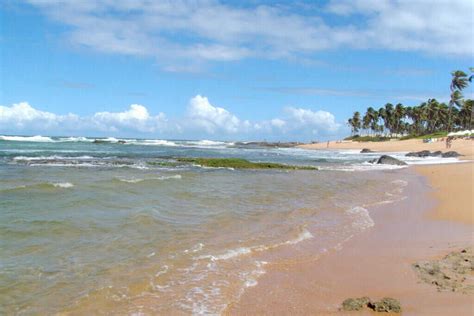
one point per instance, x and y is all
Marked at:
(88, 227)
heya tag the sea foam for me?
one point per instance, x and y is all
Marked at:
(38, 138)
(63, 185)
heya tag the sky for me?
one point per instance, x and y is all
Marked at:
(222, 70)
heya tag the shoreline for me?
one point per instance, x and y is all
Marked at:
(378, 262)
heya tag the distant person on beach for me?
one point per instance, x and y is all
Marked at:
(327, 145)
(448, 142)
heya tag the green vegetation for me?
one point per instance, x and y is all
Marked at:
(240, 164)
(163, 163)
(428, 118)
(375, 138)
(426, 136)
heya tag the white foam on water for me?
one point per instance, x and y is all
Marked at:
(138, 180)
(304, 235)
(155, 142)
(196, 248)
(63, 185)
(237, 252)
(163, 270)
(38, 138)
(361, 218)
(54, 157)
(251, 278)
(232, 253)
(401, 183)
(76, 139)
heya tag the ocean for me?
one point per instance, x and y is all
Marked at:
(115, 226)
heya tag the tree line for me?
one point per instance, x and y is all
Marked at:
(428, 117)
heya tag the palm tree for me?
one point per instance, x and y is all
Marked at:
(382, 115)
(370, 119)
(356, 121)
(466, 115)
(350, 122)
(387, 115)
(398, 115)
(459, 81)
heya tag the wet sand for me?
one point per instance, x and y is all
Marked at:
(378, 262)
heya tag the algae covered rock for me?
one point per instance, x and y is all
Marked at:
(366, 151)
(452, 273)
(355, 304)
(387, 305)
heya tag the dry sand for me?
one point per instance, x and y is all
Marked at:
(453, 188)
(435, 219)
(464, 147)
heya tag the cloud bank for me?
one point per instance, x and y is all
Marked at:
(182, 34)
(201, 119)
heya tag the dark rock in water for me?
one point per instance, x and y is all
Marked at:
(386, 304)
(355, 304)
(450, 154)
(122, 142)
(99, 141)
(421, 154)
(366, 151)
(389, 160)
(427, 153)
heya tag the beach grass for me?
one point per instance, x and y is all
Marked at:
(238, 163)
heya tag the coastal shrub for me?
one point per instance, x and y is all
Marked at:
(358, 138)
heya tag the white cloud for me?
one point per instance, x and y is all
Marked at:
(22, 115)
(203, 115)
(193, 32)
(278, 123)
(201, 119)
(305, 120)
(434, 27)
(137, 118)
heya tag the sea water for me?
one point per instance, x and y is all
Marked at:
(110, 227)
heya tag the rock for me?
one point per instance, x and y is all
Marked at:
(386, 304)
(99, 141)
(122, 142)
(389, 160)
(452, 273)
(450, 154)
(355, 304)
(421, 154)
(427, 153)
(366, 151)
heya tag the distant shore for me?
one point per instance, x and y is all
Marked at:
(436, 218)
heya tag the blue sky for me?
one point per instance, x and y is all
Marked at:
(222, 70)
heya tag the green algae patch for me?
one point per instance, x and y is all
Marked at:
(238, 163)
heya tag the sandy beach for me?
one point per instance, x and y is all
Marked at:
(435, 219)
(464, 147)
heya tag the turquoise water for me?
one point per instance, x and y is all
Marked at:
(116, 228)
